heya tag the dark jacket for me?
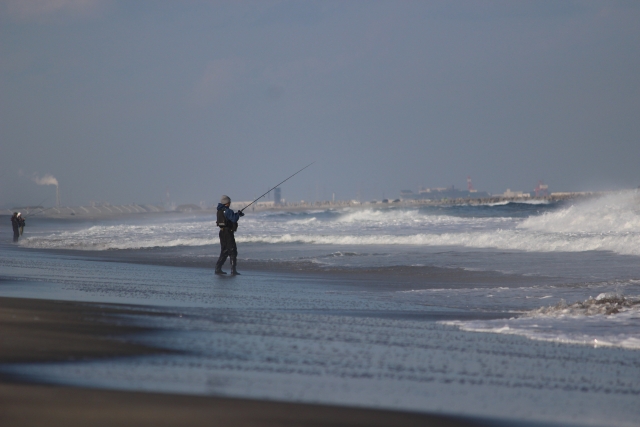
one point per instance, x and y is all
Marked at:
(15, 222)
(227, 219)
(229, 213)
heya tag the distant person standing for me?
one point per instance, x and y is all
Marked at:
(21, 223)
(227, 220)
(15, 223)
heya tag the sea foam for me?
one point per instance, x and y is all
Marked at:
(610, 224)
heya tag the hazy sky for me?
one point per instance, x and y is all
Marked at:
(120, 100)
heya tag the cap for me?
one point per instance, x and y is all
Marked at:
(225, 199)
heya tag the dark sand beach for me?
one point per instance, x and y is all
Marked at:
(35, 330)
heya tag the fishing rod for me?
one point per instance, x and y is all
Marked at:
(28, 215)
(275, 186)
(38, 213)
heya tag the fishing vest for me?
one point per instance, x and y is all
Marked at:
(224, 223)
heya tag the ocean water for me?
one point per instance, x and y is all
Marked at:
(516, 311)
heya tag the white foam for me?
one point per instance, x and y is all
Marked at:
(609, 320)
(123, 237)
(305, 221)
(409, 218)
(521, 202)
(605, 303)
(499, 239)
(532, 202)
(615, 214)
(608, 224)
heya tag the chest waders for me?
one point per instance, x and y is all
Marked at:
(16, 228)
(228, 246)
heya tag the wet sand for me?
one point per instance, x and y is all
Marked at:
(37, 405)
(34, 330)
(403, 277)
(50, 331)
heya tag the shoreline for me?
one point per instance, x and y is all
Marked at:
(404, 277)
(36, 331)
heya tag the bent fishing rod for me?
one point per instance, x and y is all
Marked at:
(28, 215)
(38, 213)
(276, 186)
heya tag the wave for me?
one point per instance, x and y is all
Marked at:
(617, 213)
(305, 221)
(530, 202)
(608, 224)
(517, 202)
(500, 239)
(609, 320)
(413, 217)
(93, 245)
(98, 238)
(626, 244)
(606, 303)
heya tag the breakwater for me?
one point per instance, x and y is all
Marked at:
(553, 197)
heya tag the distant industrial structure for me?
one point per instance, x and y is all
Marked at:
(167, 204)
(541, 190)
(450, 193)
(49, 179)
(441, 193)
(514, 194)
(277, 196)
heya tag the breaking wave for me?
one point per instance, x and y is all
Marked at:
(519, 202)
(606, 303)
(609, 320)
(98, 238)
(499, 239)
(611, 223)
(614, 214)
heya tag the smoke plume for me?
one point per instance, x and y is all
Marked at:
(47, 179)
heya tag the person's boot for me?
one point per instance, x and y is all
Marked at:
(234, 263)
(219, 266)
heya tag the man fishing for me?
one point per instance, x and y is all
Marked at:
(15, 223)
(21, 223)
(227, 220)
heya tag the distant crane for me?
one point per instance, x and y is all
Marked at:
(542, 189)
